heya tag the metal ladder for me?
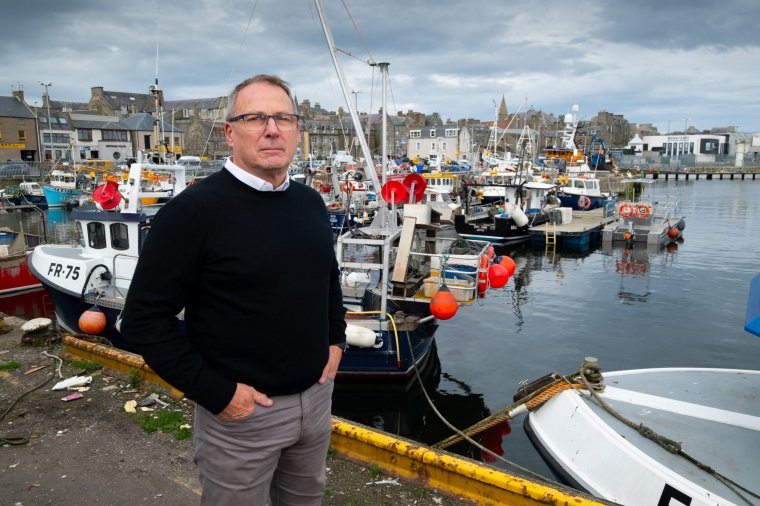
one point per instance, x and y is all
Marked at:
(551, 235)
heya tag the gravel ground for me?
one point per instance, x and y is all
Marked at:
(91, 451)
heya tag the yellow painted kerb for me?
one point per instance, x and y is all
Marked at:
(438, 469)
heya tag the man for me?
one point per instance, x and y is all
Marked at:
(249, 256)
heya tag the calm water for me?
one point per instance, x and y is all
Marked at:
(679, 306)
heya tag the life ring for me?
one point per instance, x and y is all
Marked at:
(584, 202)
(347, 187)
(483, 276)
(643, 211)
(625, 210)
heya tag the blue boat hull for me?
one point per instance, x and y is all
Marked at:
(56, 197)
(574, 201)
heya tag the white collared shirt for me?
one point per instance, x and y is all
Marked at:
(253, 181)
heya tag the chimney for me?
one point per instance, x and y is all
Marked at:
(19, 94)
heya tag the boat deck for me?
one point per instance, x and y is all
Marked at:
(579, 230)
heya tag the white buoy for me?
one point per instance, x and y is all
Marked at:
(359, 336)
(518, 216)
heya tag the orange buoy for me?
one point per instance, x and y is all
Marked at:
(443, 305)
(672, 247)
(497, 275)
(483, 276)
(92, 321)
(674, 233)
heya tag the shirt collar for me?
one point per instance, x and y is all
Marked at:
(253, 181)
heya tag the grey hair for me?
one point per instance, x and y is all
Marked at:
(266, 78)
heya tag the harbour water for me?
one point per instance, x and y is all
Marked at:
(681, 306)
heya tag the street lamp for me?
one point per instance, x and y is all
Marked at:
(685, 120)
(50, 128)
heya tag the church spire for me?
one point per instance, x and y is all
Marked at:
(503, 116)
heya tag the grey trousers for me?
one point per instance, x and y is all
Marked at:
(277, 454)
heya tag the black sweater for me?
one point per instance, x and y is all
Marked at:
(257, 275)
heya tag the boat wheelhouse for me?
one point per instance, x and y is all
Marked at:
(98, 270)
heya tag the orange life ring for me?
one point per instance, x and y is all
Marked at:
(347, 187)
(584, 202)
(483, 276)
(625, 210)
(643, 211)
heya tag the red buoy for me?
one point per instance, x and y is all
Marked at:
(92, 321)
(674, 233)
(443, 305)
(497, 276)
(508, 264)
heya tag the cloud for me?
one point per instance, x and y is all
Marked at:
(651, 61)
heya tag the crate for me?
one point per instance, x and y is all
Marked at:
(463, 291)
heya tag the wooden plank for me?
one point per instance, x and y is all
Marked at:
(404, 248)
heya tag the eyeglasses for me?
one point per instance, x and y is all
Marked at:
(257, 122)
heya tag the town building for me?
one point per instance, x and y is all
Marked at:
(19, 138)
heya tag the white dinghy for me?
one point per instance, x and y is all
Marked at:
(708, 421)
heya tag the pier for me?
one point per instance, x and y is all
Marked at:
(577, 233)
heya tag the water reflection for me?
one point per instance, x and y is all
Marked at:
(634, 264)
(403, 408)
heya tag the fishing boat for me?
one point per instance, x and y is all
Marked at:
(400, 274)
(655, 436)
(97, 272)
(583, 193)
(645, 218)
(15, 247)
(61, 188)
(506, 220)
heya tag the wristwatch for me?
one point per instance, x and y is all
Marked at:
(342, 345)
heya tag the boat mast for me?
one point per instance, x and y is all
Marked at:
(370, 166)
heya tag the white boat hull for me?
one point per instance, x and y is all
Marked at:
(714, 413)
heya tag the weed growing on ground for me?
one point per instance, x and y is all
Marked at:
(374, 470)
(134, 379)
(86, 365)
(167, 421)
(422, 493)
(10, 365)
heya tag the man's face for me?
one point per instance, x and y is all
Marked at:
(266, 153)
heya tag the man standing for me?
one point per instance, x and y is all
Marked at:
(249, 256)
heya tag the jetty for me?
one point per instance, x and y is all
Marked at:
(575, 232)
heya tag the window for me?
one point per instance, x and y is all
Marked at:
(415, 134)
(432, 133)
(96, 235)
(451, 132)
(22, 135)
(119, 236)
(419, 145)
(444, 146)
(57, 138)
(84, 134)
(80, 234)
(114, 135)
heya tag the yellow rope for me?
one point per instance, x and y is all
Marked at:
(533, 401)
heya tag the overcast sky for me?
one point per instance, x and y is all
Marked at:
(659, 62)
